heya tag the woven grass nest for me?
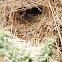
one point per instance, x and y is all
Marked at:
(33, 20)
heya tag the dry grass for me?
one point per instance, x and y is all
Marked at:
(39, 27)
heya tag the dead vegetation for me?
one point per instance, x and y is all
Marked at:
(33, 20)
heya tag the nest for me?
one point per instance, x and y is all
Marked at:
(33, 20)
(29, 20)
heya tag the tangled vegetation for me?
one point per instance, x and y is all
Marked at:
(30, 30)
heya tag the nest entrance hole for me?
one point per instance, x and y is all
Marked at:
(29, 14)
(34, 11)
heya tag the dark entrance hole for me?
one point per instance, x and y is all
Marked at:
(29, 14)
(34, 11)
